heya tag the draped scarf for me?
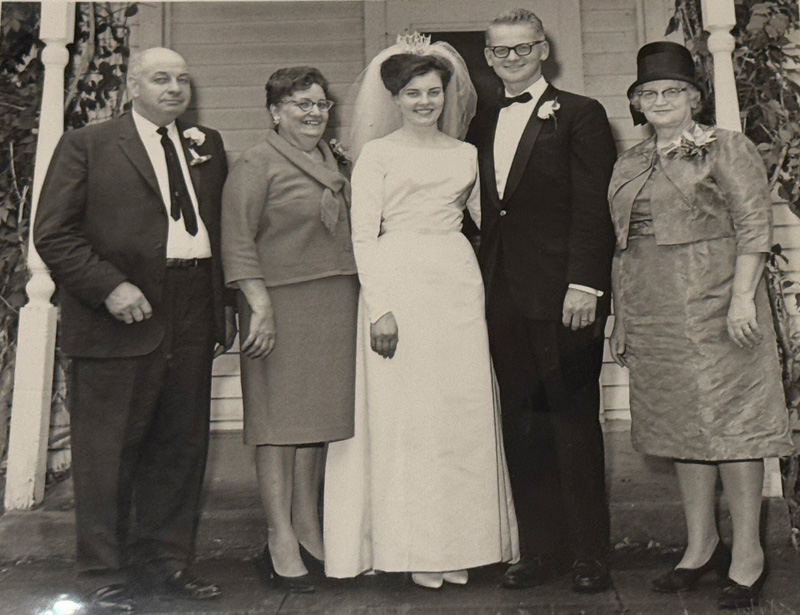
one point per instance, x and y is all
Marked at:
(336, 195)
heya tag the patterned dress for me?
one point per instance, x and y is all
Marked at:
(694, 394)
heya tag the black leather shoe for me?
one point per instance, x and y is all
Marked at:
(111, 600)
(295, 585)
(686, 579)
(184, 584)
(735, 596)
(314, 565)
(590, 575)
(531, 572)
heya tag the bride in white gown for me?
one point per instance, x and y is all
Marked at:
(422, 486)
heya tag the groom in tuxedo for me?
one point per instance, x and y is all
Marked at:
(129, 224)
(546, 246)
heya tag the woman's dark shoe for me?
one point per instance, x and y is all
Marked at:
(735, 596)
(266, 569)
(314, 565)
(686, 579)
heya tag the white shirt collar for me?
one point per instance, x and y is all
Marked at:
(536, 90)
(145, 127)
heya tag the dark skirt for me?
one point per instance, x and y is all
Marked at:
(303, 392)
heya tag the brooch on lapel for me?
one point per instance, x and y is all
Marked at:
(196, 138)
(694, 143)
(548, 110)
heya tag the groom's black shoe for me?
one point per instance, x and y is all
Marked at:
(590, 575)
(533, 571)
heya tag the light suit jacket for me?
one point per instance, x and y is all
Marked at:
(722, 193)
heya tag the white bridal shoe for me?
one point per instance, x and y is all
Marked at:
(429, 580)
(456, 577)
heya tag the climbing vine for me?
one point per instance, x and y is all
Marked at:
(21, 76)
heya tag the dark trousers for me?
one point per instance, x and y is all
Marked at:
(139, 442)
(550, 399)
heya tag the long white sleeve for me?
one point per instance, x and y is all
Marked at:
(368, 183)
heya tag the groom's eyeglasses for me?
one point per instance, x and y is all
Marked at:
(306, 104)
(523, 49)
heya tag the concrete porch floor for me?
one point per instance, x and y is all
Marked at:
(37, 549)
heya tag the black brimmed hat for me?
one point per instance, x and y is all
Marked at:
(662, 60)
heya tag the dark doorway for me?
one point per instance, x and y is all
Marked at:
(470, 45)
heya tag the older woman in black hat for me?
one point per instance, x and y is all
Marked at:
(691, 210)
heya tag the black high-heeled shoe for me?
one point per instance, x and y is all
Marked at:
(266, 569)
(314, 565)
(735, 596)
(686, 579)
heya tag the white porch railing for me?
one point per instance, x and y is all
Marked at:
(36, 339)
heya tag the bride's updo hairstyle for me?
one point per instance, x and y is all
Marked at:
(399, 69)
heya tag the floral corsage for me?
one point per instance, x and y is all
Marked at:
(693, 143)
(548, 109)
(196, 138)
(339, 152)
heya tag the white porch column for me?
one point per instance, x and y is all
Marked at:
(719, 18)
(33, 375)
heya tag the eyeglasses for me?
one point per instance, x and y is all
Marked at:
(650, 96)
(306, 104)
(523, 49)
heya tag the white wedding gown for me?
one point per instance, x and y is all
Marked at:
(423, 485)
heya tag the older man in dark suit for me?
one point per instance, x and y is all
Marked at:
(546, 245)
(128, 223)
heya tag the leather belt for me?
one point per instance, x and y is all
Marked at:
(185, 263)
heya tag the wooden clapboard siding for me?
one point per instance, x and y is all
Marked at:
(232, 49)
(787, 233)
(610, 42)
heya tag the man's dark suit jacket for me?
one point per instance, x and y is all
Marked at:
(552, 227)
(101, 221)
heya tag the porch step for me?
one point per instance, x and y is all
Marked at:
(644, 499)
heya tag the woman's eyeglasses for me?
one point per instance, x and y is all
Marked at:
(523, 49)
(650, 96)
(306, 104)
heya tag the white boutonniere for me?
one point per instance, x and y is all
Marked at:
(693, 143)
(195, 135)
(548, 109)
(196, 138)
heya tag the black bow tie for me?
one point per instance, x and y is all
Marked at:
(522, 98)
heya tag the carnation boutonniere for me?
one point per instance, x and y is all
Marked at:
(693, 143)
(547, 110)
(339, 152)
(196, 138)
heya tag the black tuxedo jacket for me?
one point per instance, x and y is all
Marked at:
(101, 221)
(552, 227)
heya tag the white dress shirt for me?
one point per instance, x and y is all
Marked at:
(510, 125)
(180, 244)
